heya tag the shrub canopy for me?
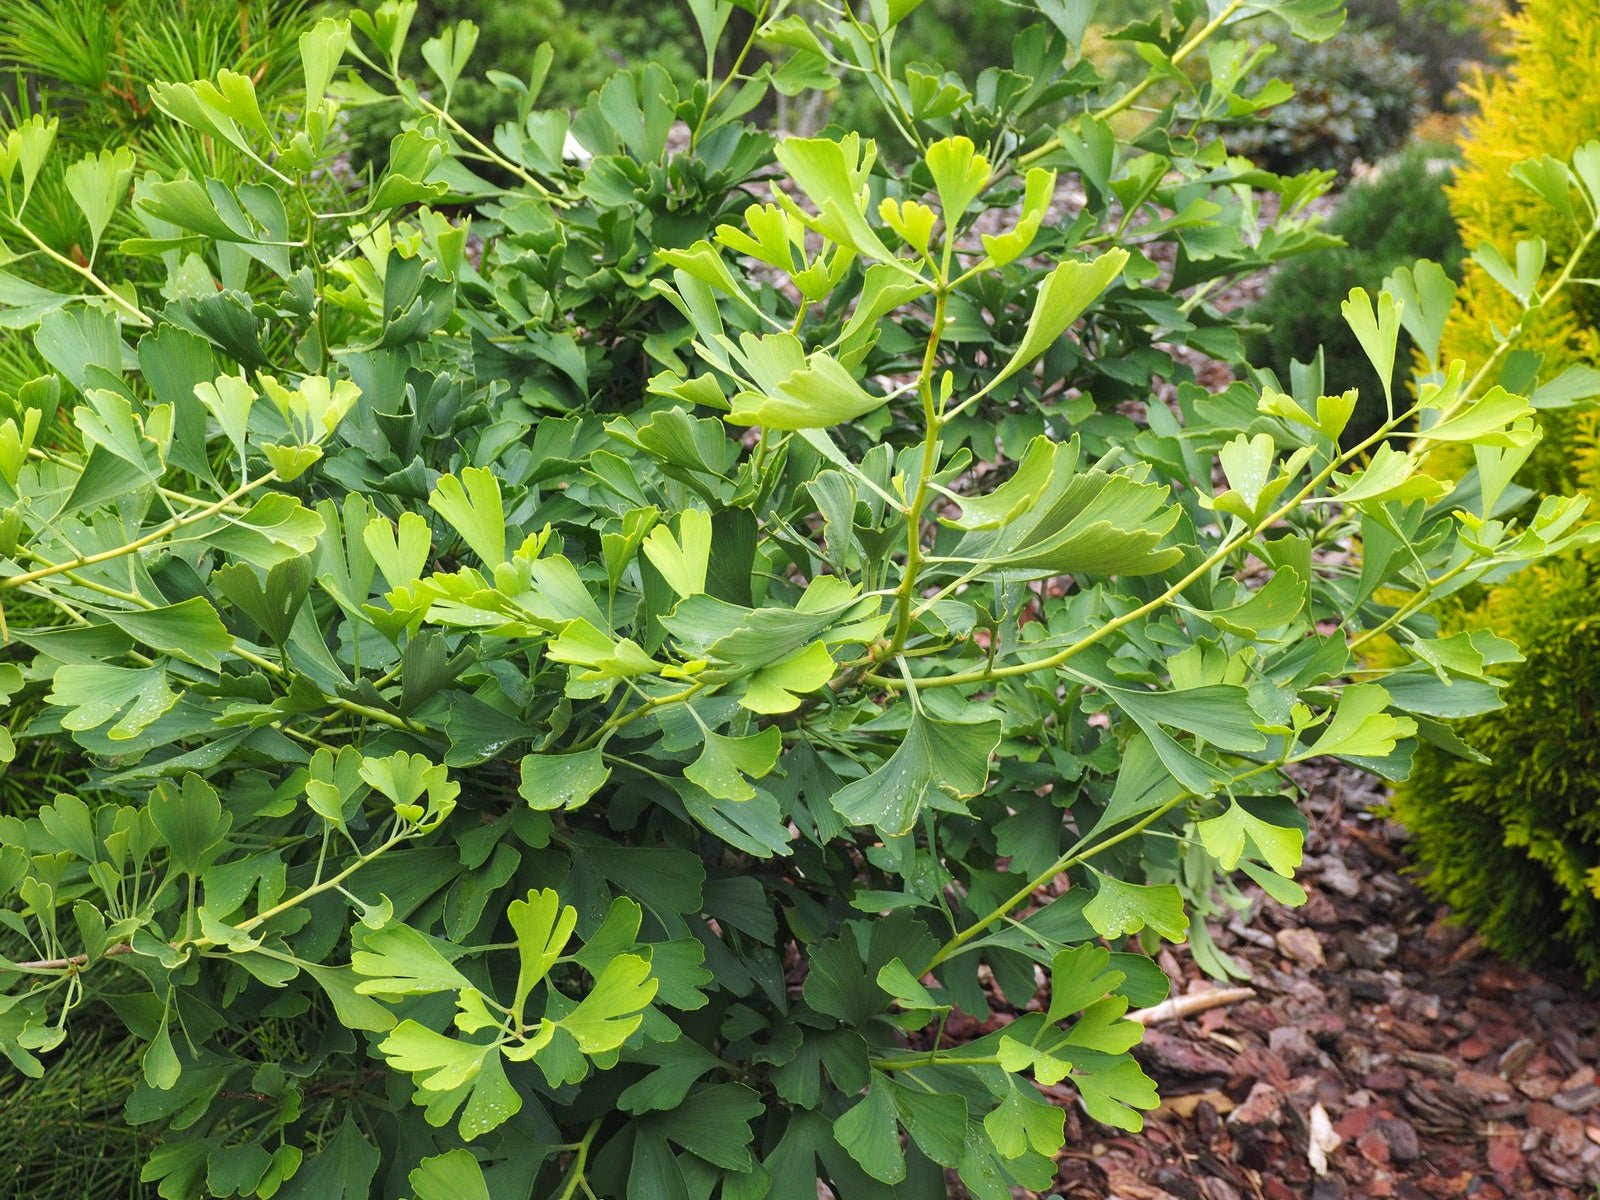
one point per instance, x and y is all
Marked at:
(586, 676)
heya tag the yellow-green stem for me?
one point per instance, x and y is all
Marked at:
(930, 464)
(1072, 859)
(155, 535)
(1131, 96)
(137, 314)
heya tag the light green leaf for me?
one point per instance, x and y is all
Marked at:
(191, 630)
(94, 694)
(493, 1100)
(908, 991)
(1120, 908)
(234, 96)
(1495, 419)
(778, 688)
(1052, 518)
(938, 763)
(98, 184)
(1426, 294)
(1224, 838)
(684, 559)
(1390, 475)
(452, 1176)
(543, 927)
(473, 507)
(160, 1061)
(354, 1010)
(1273, 606)
(437, 1062)
(321, 48)
(552, 781)
(276, 527)
(107, 420)
(401, 961)
(817, 394)
(726, 763)
(959, 174)
(1023, 1121)
(833, 175)
(401, 553)
(1079, 976)
(1066, 292)
(1377, 331)
(1551, 179)
(1038, 192)
(612, 1010)
(1112, 1095)
(448, 53)
(1254, 479)
(406, 778)
(1361, 727)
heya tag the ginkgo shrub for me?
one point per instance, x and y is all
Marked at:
(582, 678)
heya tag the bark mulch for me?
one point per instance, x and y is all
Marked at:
(1386, 1053)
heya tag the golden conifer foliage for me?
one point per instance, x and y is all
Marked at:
(1512, 839)
(1546, 103)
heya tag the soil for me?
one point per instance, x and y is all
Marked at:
(1386, 1052)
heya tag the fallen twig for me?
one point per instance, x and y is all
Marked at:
(1179, 1007)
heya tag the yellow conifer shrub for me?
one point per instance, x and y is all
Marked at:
(1546, 103)
(1511, 838)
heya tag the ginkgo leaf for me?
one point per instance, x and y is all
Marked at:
(1276, 604)
(612, 1010)
(1079, 976)
(726, 764)
(1053, 518)
(938, 762)
(1377, 329)
(401, 961)
(959, 174)
(1114, 1095)
(93, 694)
(543, 926)
(778, 688)
(683, 558)
(1101, 1027)
(833, 175)
(473, 507)
(455, 1175)
(1224, 838)
(1361, 726)
(552, 781)
(1024, 1121)
(1494, 419)
(1063, 297)
(819, 394)
(401, 551)
(1120, 908)
(98, 184)
(439, 1063)
(1390, 475)
(870, 1134)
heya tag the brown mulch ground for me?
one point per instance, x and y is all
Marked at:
(1440, 1070)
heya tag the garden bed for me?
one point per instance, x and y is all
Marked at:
(1442, 1070)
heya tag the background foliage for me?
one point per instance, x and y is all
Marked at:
(1386, 220)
